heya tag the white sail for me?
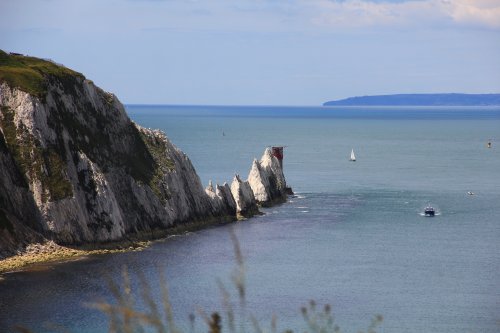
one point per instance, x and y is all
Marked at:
(353, 157)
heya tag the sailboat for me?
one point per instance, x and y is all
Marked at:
(353, 157)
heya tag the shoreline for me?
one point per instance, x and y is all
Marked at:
(50, 252)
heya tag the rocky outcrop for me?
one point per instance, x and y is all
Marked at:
(222, 199)
(246, 205)
(75, 169)
(267, 180)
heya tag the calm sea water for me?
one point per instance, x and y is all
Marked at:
(353, 236)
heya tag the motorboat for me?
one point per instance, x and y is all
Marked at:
(429, 211)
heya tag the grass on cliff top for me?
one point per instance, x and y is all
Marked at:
(30, 74)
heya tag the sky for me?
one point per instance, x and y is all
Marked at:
(263, 52)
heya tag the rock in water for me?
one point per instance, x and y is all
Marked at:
(246, 205)
(267, 180)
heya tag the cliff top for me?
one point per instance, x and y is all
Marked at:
(30, 74)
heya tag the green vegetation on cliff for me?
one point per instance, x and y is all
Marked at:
(31, 74)
(91, 130)
(163, 166)
(45, 164)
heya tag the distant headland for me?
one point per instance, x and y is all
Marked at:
(420, 100)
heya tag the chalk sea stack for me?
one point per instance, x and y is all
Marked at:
(75, 169)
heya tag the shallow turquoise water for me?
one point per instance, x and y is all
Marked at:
(353, 237)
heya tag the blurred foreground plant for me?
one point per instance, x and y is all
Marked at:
(126, 316)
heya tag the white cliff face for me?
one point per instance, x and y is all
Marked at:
(221, 198)
(259, 182)
(92, 174)
(75, 169)
(225, 195)
(244, 197)
(267, 180)
(107, 210)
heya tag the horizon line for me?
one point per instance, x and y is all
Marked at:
(310, 106)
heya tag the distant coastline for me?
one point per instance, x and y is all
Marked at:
(451, 99)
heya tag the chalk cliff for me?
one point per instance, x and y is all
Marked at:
(246, 205)
(267, 180)
(75, 169)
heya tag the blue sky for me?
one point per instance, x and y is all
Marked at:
(263, 52)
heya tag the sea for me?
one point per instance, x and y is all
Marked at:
(353, 236)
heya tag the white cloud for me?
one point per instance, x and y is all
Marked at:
(365, 13)
(124, 18)
(477, 12)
